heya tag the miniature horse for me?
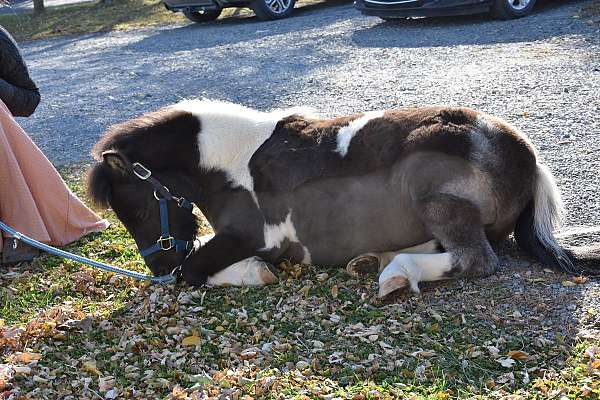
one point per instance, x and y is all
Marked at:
(416, 193)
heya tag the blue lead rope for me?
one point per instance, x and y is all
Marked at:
(163, 280)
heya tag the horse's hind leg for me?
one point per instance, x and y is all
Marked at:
(457, 224)
(375, 262)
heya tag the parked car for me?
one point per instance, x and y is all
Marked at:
(208, 10)
(392, 9)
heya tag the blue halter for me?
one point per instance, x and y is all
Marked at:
(165, 242)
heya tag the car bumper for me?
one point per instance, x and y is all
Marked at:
(192, 5)
(421, 8)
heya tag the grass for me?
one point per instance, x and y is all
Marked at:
(318, 334)
(89, 17)
(92, 17)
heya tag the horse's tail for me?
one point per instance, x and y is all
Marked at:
(535, 226)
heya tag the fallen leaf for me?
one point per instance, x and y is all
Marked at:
(22, 370)
(192, 340)
(90, 367)
(568, 283)
(106, 383)
(442, 396)
(423, 353)
(506, 362)
(580, 280)
(494, 351)
(248, 355)
(26, 357)
(596, 364)
(334, 291)
(518, 355)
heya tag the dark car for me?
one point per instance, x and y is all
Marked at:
(392, 9)
(208, 10)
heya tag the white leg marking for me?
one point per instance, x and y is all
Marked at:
(307, 259)
(249, 272)
(346, 133)
(430, 247)
(412, 269)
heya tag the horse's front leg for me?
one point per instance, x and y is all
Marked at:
(251, 271)
(226, 259)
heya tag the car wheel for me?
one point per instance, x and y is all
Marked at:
(508, 9)
(202, 16)
(272, 9)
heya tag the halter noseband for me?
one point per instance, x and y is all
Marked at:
(165, 242)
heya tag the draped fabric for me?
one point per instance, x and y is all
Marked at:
(34, 199)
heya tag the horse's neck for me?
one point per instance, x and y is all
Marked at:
(230, 134)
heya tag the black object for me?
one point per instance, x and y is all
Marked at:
(393, 9)
(17, 89)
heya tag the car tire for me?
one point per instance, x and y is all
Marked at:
(202, 16)
(509, 9)
(267, 10)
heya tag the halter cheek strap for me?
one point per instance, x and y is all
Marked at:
(165, 242)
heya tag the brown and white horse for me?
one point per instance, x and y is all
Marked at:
(417, 193)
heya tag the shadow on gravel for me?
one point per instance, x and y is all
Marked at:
(548, 20)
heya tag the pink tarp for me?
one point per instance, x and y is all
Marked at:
(34, 199)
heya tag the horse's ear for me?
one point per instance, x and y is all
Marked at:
(115, 161)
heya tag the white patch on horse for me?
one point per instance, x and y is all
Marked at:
(249, 272)
(307, 259)
(231, 133)
(410, 269)
(276, 234)
(346, 133)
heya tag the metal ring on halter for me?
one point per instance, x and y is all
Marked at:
(156, 194)
(176, 270)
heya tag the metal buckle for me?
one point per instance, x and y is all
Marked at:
(145, 172)
(176, 271)
(169, 240)
(160, 198)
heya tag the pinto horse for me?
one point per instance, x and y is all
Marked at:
(417, 194)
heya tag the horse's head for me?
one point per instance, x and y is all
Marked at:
(153, 206)
(144, 173)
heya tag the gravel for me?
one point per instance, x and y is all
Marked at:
(542, 73)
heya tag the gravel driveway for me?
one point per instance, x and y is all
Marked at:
(542, 73)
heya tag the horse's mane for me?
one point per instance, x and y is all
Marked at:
(133, 139)
(125, 134)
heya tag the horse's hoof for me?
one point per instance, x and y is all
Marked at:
(392, 284)
(363, 264)
(268, 274)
